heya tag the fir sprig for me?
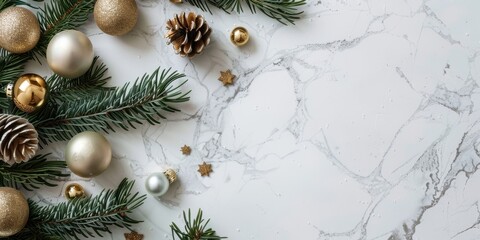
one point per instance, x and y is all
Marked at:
(122, 107)
(280, 10)
(195, 229)
(83, 217)
(37, 172)
(90, 84)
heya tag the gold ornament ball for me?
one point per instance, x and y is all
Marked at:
(88, 154)
(70, 54)
(116, 17)
(74, 190)
(19, 30)
(239, 36)
(14, 211)
(29, 92)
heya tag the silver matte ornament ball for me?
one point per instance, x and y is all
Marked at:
(157, 184)
(70, 54)
(88, 154)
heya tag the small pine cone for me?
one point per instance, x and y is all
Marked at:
(19, 139)
(189, 34)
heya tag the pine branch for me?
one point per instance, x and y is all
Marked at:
(37, 172)
(196, 230)
(122, 107)
(83, 217)
(280, 10)
(90, 84)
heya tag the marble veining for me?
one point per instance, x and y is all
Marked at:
(359, 122)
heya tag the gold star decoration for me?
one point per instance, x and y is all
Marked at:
(205, 169)
(133, 236)
(226, 77)
(186, 150)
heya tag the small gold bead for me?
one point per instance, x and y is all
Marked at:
(73, 191)
(239, 36)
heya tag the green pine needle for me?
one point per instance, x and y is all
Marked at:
(194, 230)
(83, 217)
(33, 174)
(280, 10)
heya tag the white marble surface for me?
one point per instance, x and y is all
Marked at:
(359, 122)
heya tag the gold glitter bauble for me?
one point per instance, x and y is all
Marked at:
(29, 92)
(88, 154)
(239, 36)
(116, 17)
(19, 30)
(13, 211)
(73, 191)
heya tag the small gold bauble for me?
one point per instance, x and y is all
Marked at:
(19, 30)
(88, 154)
(116, 17)
(29, 92)
(176, 1)
(239, 36)
(70, 53)
(14, 211)
(73, 191)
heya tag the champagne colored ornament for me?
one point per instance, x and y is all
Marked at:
(19, 30)
(239, 36)
(18, 139)
(88, 154)
(70, 54)
(116, 17)
(29, 92)
(14, 211)
(157, 184)
(73, 191)
(189, 34)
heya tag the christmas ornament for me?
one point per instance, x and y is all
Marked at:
(133, 236)
(14, 211)
(189, 34)
(176, 1)
(115, 17)
(205, 169)
(18, 139)
(70, 54)
(186, 150)
(157, 184)
(73, 191)
(88, 154)
(19, 30)
(226, 77)
(29, 92)
(239, 36)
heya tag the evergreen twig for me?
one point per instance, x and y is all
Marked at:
(280, 10)
(83, 217)
(121, 107)
(38, 171)
(195, 229)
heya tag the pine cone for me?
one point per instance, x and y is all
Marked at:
(19, 139)
(188, 34)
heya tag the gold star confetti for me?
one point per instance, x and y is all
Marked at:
(186, 150)
(205, 169)
(133, 236)
(226, 77)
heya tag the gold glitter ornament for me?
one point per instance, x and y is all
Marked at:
(19, 30)
(116, 17)
(239, 36)
(88, 154)
(14, 211)
(29, 92)
(74, 190)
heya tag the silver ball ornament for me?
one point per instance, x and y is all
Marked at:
(157, 184)
(70, 54)
(88, 154)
